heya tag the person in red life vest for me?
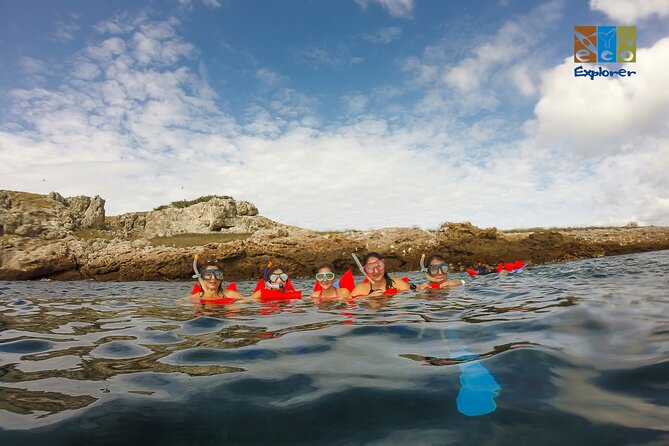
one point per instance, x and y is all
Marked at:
(379, 282)
(211, 277)
(436, 272)
(325, 289)
(275, 285)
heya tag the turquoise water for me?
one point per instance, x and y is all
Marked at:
(575, 354)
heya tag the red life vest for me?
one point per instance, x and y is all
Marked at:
(197, 288)
(271, 294)
(221, 300)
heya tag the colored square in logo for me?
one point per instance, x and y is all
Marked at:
(585, 44)
(606, 43)
(626, 44)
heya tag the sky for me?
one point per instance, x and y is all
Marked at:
(339, 114)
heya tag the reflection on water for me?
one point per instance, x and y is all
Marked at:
(573, 353)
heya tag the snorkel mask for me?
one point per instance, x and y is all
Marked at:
(273, 285)
(361, 268)
(441, 267)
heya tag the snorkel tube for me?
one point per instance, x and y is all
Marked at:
(423, 268)
(361, 268)
(422, 263)
(197, 274)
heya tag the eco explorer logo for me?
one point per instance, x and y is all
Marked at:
(604, 44)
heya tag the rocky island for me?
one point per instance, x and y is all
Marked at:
(53, 237)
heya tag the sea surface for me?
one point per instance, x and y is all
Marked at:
(568, 354)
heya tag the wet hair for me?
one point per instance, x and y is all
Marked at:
(370, 255)
(434, 257)
(389, 281)
(329, 266)
(272, 269)
(217, 265)
(209, 263)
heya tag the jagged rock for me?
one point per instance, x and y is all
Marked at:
(94, 215)
(216, 215)
(48, 216)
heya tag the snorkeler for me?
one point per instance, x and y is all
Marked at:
(437, 273)
(325, 277)
(379, 282)
(211, 280)
(275, 285)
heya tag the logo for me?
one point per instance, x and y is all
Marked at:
(604, 44)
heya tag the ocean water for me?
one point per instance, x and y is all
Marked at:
(569, 354)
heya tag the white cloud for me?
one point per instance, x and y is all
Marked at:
(627, 12)
(384, 35)
(479, 81)
(212, 3)
(32, 69)
(396, 8)
(85, 71)
(65, 31)
(599, 116)
(318, 56)
(355, 104)
(268, 77)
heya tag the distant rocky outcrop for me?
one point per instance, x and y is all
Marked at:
(40, 240)
(48, 216)
(218, 214)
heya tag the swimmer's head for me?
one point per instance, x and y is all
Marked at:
(325, 274)
(275, 277)
(374, 266)
(437, 268)
(212, 274)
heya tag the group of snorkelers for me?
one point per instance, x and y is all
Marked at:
(276, 281)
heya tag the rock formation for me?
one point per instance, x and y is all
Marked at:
(215, 215)
(49, 217)
(40, 240)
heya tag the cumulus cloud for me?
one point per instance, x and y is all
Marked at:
(602, 116)
(396, 8)
(626, 12)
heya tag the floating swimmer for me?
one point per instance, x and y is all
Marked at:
(275, 285)
(377, 282)
(502, 268)
(436, 272)
(325, 289)
(210, 290)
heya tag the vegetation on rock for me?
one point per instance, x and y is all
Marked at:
(186, 203)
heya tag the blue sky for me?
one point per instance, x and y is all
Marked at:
(338, 114)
